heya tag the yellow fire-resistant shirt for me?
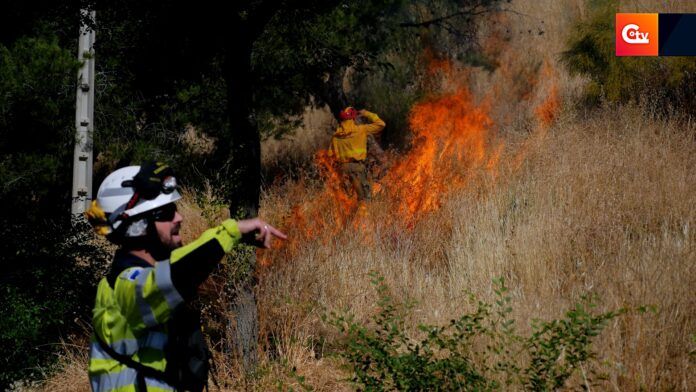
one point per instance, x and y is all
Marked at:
(349, 142)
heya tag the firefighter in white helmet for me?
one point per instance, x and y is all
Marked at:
(145, 336)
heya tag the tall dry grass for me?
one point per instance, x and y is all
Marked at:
(602, 204)
(296, 150)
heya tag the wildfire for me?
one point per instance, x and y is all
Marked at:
(435, 66)
(548, 110)
(322, 216)
(451, 137)
(334, 188)
(453, 144)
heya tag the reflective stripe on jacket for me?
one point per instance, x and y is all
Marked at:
(349, 142)
(132, 315)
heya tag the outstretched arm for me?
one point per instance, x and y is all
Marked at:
(148, 296)
(192, 263)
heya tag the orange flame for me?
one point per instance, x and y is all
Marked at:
(546, 113)
(435, 65)
(548, 110)
(321, 217)
(453, 144)
(450, 139)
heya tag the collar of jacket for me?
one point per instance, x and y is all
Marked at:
(122, 261)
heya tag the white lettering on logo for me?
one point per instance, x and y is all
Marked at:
(632, 35)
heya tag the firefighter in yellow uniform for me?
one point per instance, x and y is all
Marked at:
(349, 147)
(145, 336)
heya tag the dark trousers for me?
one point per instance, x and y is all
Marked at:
(356, 172)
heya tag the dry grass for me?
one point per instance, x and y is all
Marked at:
(602, 204)
(652, 6)
(297, 149)
(72, 371)
(599, 202)
(70, 374)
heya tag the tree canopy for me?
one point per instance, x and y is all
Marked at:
(234, 73)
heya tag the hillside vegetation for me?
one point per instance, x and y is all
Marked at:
(511, 174)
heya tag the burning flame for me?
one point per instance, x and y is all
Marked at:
(453, 144)
(450, 139)
(548, 110)
(324, 215)
(546, 113)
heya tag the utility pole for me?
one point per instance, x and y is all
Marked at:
(84, 119)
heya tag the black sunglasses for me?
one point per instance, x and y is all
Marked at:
(165, 213)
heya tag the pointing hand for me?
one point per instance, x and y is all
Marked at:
(258, 233)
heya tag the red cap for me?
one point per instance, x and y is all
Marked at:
(348, 113)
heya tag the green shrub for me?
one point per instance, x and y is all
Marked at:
(479, 351)
(49, 284)
(663, 82)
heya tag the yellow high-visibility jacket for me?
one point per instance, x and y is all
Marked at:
(349, 142)
(134, 311)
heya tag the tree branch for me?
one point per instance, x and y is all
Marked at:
(468, 12)
(260, 17)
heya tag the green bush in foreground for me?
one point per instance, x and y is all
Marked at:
(479, 351)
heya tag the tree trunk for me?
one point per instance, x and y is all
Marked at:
(332, 92)
(244, 154)
(245, 324)
(245, 143)
(245, 158)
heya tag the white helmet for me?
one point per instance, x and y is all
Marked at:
(116, 198)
